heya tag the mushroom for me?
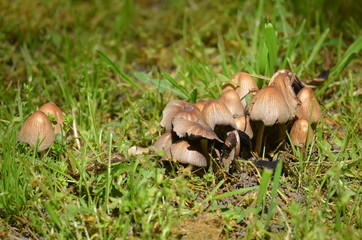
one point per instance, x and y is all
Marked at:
(185, 152)
(301, 133)
(243, 84)
(232, 101)
(309, 107)
(216, 113)
(268, 106)
(284, 80)
(52, 109)
(180, 109)
(37, 131)
(164, 142)
(243, 124)
(193, 130)
(200, 104)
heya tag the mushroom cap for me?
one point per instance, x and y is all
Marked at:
(193, 130)
(243, 124)
(309, 107)
(53, 109)
(37, 129)
(200, 104)
(269, 106)
(232, 141)
(180, 109)
(164, 142)
(283, 80)
(300, 131)
(244, 84)
(183, 152)
(216, 113)
(232, 101)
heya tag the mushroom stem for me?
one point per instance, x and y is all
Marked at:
(75, 131)
(259, 138)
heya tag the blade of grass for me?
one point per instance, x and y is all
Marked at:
(123, 75)
(348, 56)
(315, 51)
(274, 191)
(228, 194)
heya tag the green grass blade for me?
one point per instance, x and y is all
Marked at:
(123, 75)
(348, 56)
(272, 46)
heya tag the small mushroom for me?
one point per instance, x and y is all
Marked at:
(180, 109)
(53, 109)
(218, 117)
(301, 133)
(216, 113)
(200, 104)
(284, 80)
(193, 130)
(232, 101)
(243, 124)
(309, 107)
(164, 142)
(37, 129)
(243, 84)
(185, 152)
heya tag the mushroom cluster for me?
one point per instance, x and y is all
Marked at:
(284, 102)
(37, 130)
(226, 128)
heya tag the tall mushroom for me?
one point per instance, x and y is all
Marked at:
(37, 130)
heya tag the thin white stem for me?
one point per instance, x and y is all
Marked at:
(75, 131)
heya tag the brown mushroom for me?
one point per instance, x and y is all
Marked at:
(184, 152)
(180, 109)
(232, 101)
(301, 133)
(216, 113)
(284, 80)
(243, 124)
(37, 131)
(269, 107)
(193, 130)
(309, 107)
(164, 142)
(243, 84)
(54, 110)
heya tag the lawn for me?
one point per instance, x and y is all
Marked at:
(112, 67)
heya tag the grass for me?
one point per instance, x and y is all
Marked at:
(118, 63)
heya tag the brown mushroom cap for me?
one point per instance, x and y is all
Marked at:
(193, 130)
(180, 109)
(243, 124)
(183, 152)
(200, 104)
(283, 80)
(244, 84)
(164, 142)
(53, 109)
(232, 101)
(216, 113)
(269, 106)
(37, 129)
(309, 107)
(300, 131)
